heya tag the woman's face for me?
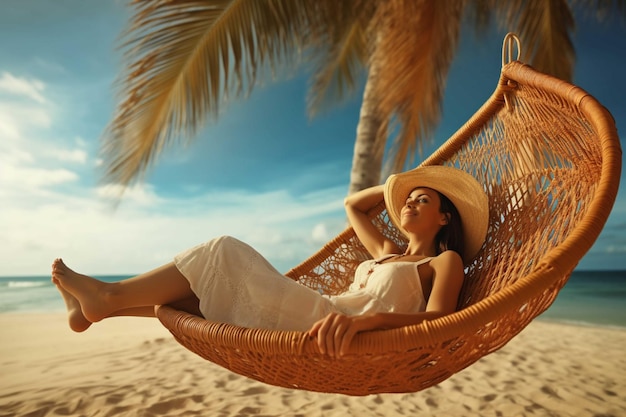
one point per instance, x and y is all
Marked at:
(422, 210)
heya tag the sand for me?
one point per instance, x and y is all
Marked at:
(133, 367)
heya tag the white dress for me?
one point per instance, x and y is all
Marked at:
(237, 285)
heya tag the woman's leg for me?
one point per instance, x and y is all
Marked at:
(79, 323)
(190, 305)
(133, 296)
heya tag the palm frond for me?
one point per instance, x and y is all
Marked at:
(184, 57)
(338, 73)
(544, 29)
(602, 10)
(342, 50)
(416, 46)
(479, 14)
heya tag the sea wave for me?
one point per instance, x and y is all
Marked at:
(26, 284)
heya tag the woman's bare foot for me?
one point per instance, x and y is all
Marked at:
(75, 316)
(84, 296)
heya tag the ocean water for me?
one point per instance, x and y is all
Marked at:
(589, 297)
(35, 294)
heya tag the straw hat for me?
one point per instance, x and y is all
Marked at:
(462, 189)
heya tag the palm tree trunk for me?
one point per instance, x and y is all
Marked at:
(371, 135)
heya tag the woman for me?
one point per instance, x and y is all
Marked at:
(442, 211)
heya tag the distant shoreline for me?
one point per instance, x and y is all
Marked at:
(593, 298)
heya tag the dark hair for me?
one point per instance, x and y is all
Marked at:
(450, 236)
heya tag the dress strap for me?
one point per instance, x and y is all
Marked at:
(384, 257)
(423, 261)
(391, 255)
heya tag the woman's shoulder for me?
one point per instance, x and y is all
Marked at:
(448, 259)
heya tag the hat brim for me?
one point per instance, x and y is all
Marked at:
(462, 189)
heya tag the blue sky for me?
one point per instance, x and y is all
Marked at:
(264, 172)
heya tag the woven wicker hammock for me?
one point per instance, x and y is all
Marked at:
(549, 157)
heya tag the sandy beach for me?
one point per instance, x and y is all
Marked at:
(133, 367)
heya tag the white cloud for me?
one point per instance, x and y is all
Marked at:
(22, 87)
(11, 155)
(323, 232)
(96, 239)
(25, 177)
(70, 155)
(33, 161)
(18, 118)
(319, 232)
(139, 194)
(8, 128)
(51, 213)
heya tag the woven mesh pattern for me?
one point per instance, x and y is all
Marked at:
(549, 158)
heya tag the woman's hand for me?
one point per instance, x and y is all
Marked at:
(335, 332)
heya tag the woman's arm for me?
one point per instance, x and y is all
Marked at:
(335, 332)
(357, 205)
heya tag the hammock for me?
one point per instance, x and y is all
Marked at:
(549, 157)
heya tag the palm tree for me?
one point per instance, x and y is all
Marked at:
(186, 56)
